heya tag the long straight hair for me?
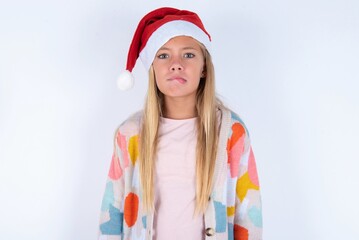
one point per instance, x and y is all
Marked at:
(207, 137)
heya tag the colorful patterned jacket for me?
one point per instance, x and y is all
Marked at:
(234, 209)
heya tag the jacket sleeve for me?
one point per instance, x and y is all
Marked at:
(111, 217)
(248, 209)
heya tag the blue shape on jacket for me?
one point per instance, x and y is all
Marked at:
(144, 221)
(108, 197)
(230, 231)
(236, 117)
(221, 215)
(255, 215)
(115, 225)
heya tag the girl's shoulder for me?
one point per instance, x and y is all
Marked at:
(237, 124)
(131, 126)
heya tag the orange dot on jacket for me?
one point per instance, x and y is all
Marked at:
(240, 232)
(238, 132)
(131, 209)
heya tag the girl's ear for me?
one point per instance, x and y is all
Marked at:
(204, 72)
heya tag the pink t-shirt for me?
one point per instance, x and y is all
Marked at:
(175, 182)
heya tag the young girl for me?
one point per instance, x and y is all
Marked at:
(182, 168)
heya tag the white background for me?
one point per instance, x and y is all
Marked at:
(289, 68)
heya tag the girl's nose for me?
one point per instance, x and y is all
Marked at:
(176, 65)
(174, 68)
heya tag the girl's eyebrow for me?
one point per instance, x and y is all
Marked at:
(164, 48)
(189, 48)
(184, 48)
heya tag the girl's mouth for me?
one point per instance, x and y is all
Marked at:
(178, 79)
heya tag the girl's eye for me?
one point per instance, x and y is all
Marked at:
(189, 55)
(163, 56)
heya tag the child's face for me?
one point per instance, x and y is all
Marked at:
(178, 67)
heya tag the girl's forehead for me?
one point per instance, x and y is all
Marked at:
(182, 42)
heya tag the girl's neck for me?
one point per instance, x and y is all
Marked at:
(177, 109)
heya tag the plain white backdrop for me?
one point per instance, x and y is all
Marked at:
(289, 68)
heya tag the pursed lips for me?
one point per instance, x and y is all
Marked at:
(178, 79)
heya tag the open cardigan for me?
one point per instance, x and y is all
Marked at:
(234, 209)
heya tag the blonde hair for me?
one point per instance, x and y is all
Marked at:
(207, 137)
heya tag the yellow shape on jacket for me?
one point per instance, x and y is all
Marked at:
(244, 183)
(230, 211)
(133, 148)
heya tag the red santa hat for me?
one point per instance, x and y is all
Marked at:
(153, 31)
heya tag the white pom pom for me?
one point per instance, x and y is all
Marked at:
(125, 81)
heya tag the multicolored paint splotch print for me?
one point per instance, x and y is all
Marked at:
(234, 210)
